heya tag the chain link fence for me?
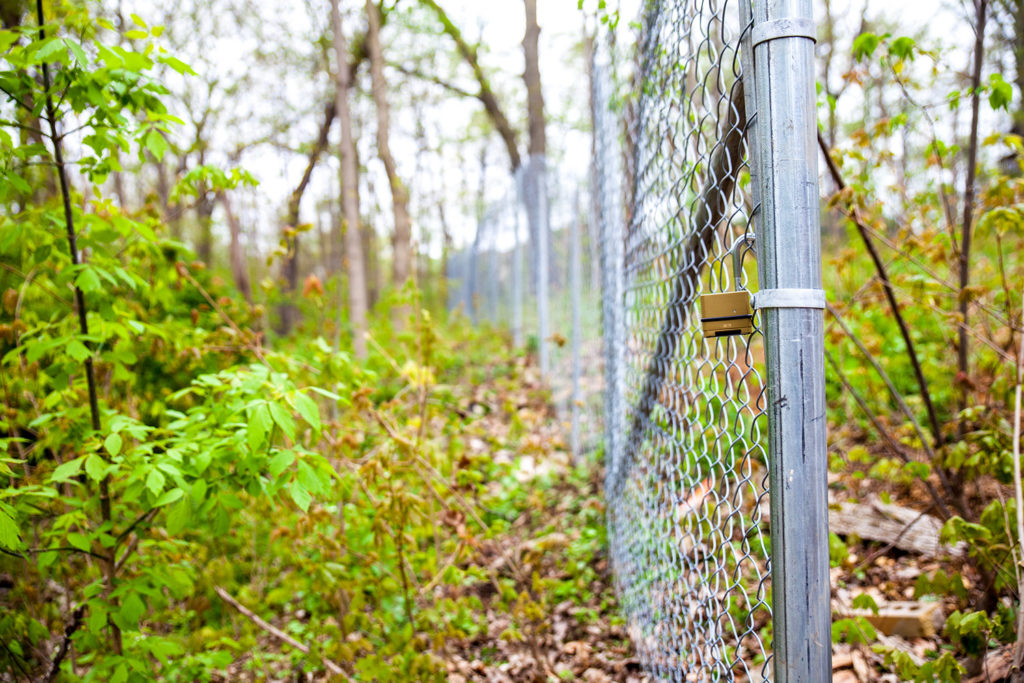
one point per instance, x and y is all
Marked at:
(703, 182)
(687, 489)
(547, 299)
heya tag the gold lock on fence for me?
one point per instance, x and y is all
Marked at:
(728, 313)
(725, 314)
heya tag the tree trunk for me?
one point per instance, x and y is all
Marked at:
(290, 264)
(1017, 8)
(963, 359)
(401, 240)
(536, 178)
(239, 267)
(349, 199)
(204, 216)
(371, 264)
(534, 95)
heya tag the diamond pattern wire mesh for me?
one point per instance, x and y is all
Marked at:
(687, 503)
(682, 416)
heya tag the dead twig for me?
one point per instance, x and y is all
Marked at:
(330, 665)
(65, 643)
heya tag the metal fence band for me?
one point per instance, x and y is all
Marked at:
(783, 28)
(789, 298)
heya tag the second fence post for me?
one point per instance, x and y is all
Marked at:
(791, 302)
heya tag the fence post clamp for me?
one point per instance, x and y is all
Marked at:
(789, 298)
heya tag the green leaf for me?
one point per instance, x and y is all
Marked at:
(300, 495)
(259, 426)
(113, 444)
(10, 537)
(46, 51)
(902, 47)
(167, 497)
(156, 143)
(96, 467)
(8, 38)
(178, 517)
(79, 541)
(155, 481)
(326, 394)
(198, 491)
(280, 462)
(77, 51)
(283, 419)
(308, 409)
(132, 609)
(78, 350)
(1000, 92)
(305, 475)
(178, 65)
(88, 280)
(67, 470)
(865, 45)
(865, 601)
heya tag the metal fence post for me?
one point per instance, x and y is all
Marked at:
(517, 260)
(538, 167)
(790, 301)
(574, 294)
(494, 275)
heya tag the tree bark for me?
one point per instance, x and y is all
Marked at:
(536, 178)
(204, 215)
(236, 253)
(290, 265)
(981, 6)
(401, 240)
(349, 200)
(534, 95)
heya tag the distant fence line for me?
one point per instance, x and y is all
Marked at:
(704, 182)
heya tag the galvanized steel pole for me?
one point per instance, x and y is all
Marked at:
(789, 267)
(517, 261)
(538, 168)
(574, 294)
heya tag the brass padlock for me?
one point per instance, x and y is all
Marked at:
(729, 313)
(726, 314)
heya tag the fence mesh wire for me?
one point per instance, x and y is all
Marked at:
(681, 416)
(687, 482)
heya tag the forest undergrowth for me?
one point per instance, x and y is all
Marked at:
(526, 593)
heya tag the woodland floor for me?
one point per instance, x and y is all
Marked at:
(554, 543)
(579, 634)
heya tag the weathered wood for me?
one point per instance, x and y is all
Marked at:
(904, 528)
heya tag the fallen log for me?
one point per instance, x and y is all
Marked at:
(905, 528)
